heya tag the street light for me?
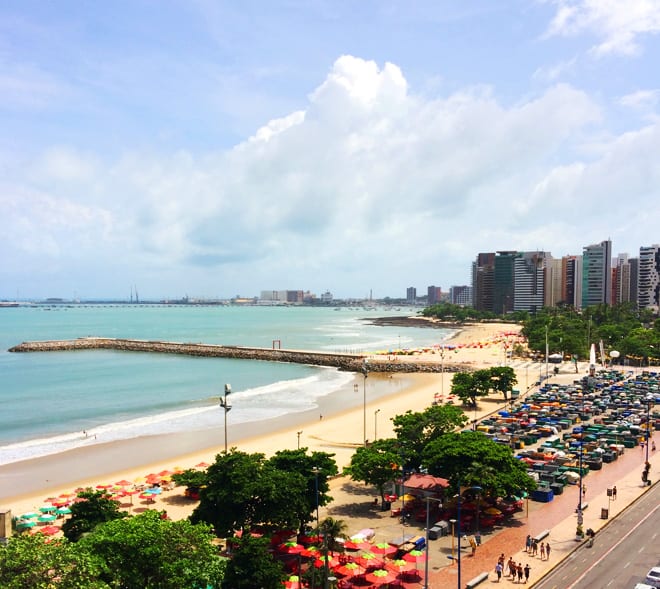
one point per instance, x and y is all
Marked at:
(442, 372)
(227, 407)
(376, 424)
(365, 373)
(298, 434)
(316, 470)
(428, 523)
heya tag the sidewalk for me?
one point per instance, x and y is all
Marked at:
(560, 518)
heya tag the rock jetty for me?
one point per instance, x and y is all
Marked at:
(347, 362)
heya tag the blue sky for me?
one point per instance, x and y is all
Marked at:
(213, 149)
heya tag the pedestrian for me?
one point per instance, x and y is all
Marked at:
(547, 551)
(528, 543)
(653, 445)
(473, 545)
(542, 550)
(477, 537)
(535, 547)
(614, 493)
(520, 572)
(512, 568)
(584, 490)
(498, 571)
(526, 570)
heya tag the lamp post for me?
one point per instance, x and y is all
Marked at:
(227, 407)
(376, 424)
(426, 556)
(478, 490)
(316, 470)
(458, 518)
(442, 372)
(649, 400)
(452, 522)
(365, 373)
(298, 434)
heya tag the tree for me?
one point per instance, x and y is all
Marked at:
(316, 469)
(252, 565)
(190, 478)
(244, 491)
(375, 465)
(332, 530)
(96, 509)
(414, 430)
(148, 552)
(502, 379)
(39, 563)
(449, 456)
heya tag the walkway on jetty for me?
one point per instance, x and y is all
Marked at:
(343, 361)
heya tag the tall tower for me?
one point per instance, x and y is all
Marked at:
(648, 294)
(597, 274)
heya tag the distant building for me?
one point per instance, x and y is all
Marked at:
(483, 275)
(503, 282)
(411, 295)
(282, 296)
(634, 279)
(461, 295)
(553, 282)
(597, 274)
(648, 294)
(621, 280)
(433, 295)
(529, 281)
(326, 297)
(571, 281)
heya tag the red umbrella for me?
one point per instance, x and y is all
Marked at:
(165, 473)
(321, 560)
(49, 530)
(380, 577)
(290, 548)
(400, 566)
(123, 483)
(369, 560)
(414, 556)
(350, 569)
(350, 545)
(202, 465)
(311, 552)
(383, 548)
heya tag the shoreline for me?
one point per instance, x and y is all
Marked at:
(24, 485)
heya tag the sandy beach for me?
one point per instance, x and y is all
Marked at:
(337, 426)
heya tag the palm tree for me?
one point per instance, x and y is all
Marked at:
(332, 529)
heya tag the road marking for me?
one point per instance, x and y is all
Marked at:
(625, 566)
(585, 573)
(641, 549)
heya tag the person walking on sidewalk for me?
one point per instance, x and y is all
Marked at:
(526, 571)
(519, 570)
(498, 570)
(512, 569)
(547, 551)
(528, 543)
(614, 493)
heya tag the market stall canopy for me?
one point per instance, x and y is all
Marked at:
(426, 482)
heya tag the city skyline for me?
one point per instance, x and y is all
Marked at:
(212, 149)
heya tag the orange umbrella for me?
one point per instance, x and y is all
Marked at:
(123, 483)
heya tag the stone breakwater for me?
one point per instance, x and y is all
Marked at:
(347, 362)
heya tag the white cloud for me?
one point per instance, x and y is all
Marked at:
(641, 100)
(555, 72)
(370, 180)
(618, 24)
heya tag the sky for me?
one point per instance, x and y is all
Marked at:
(213, 148)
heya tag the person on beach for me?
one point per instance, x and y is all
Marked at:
(526, 571)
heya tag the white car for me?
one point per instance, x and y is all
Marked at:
(653, 577)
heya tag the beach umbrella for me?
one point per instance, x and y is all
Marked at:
(293, 582)
(202, 465)
(383, 548)
(28, 515)
(380, 577)
(154, 491)
(330, 559)
(350, 569)
(123, 483)
(47, 508)
(352, 545)
(290, 548)
(62, 511)
(414, 556)
(47, 517)
(369, 559)
(103, 487)
(310, 552)
(25, 524)
(400, 566)
(49, 530)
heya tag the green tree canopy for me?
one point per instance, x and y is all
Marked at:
(147, 552)
(245, 491)
(38, 562)
(414, 430)
(376, 464)
(452, 455)
(96, 508)
(252, 565)
(316, 468)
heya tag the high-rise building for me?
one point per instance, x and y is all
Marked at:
(411, 295)
(553, 281)
(621, 280)
(461, 295)
(634, 279)
(529, 281)
(571, 281)
(503, 282)
(433, 295)
(648, 294)
(597, 274)
(483, 273)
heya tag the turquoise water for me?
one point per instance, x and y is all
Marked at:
(49, 399)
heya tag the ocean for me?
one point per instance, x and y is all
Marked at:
(56, 401)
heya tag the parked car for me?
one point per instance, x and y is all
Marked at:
(653, 577)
